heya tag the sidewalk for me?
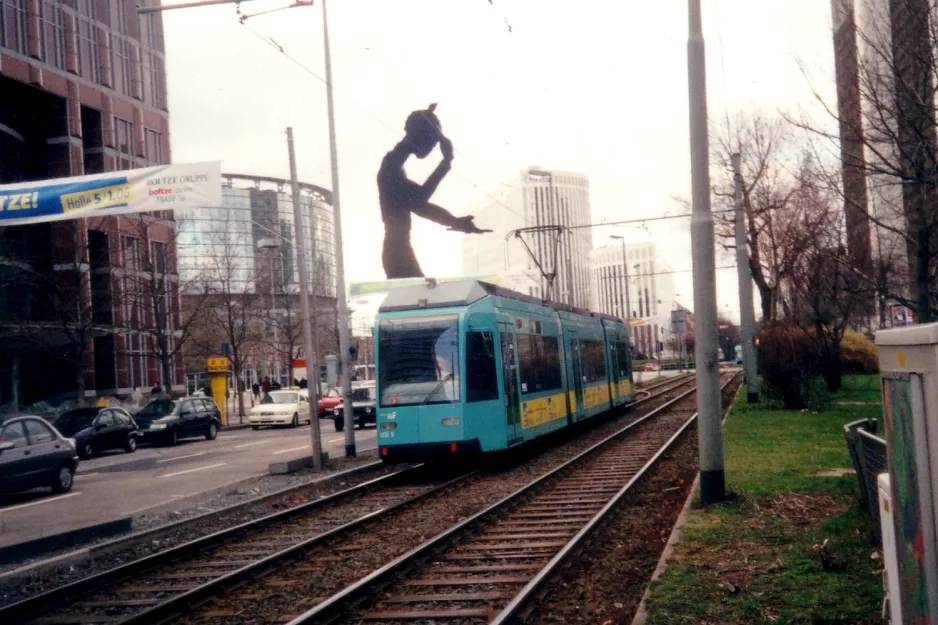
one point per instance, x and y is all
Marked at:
(792, 545)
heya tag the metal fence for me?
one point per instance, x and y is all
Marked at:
(868, 453)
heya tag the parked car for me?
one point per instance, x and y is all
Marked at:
(34, 454)
(363, 407)
(281, 408)
(652, 366)
(98, 429)
(329, 401)
(167, 420)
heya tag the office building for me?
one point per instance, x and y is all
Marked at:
(84, 91)
(536, 197)
(246, 248)
(651, 292)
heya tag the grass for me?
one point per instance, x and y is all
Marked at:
(753, 559)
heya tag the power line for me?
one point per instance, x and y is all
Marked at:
(660, 273)
(276, 46)
(642, 220)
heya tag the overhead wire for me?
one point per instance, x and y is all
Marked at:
(279, 48)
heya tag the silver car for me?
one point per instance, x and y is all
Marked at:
(34, 454)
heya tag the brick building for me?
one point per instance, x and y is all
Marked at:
(84, 91)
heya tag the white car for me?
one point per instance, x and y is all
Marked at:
(286, 407)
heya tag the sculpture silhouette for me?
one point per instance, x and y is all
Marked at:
(399, 196)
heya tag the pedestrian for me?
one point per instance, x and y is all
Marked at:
(156, 390)
(265, 385)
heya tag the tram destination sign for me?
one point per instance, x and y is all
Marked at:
(163, 187)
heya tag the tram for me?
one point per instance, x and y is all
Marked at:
(469, 367)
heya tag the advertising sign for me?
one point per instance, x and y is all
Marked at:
(163, 187)
(218, 365)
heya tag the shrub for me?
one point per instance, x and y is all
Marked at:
(858, 353)
(790, 366)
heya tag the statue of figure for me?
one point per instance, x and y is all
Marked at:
(399, 196)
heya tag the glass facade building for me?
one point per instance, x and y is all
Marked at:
(248, 245)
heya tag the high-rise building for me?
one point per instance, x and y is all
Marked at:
(537, 197)
(651, 291)
(84, 91)
(246, 248)
(850, 113)
(885, 77)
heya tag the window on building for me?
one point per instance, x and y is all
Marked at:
(88, 66)
(481, 380)
(132, 287)
(53, 34)
(120, 64)
(154, 146)
(137, 360)
(125, 142)
(13, 25)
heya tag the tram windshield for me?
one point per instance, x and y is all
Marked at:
(418, 360)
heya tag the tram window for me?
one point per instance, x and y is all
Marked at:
(593, 355)
(539, 363)
(622, 351)
(481, 380)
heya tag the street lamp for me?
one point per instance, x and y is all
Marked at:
(625, 268)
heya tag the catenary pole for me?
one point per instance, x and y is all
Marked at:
(709, 407)
(746, 315)
(314, 433)
(342, 305)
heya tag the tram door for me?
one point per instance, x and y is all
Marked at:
(614, 378)
(577, 374)
(510, 382)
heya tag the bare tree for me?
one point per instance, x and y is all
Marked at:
(897, 62)
(156, 284)
(825, 295)
(772, 165)
(231, 312)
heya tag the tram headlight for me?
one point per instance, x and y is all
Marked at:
(452, 421)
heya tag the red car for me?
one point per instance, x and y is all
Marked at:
(328, 402)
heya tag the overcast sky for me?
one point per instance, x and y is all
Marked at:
(595, 86)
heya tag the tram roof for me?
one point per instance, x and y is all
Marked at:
(462, 293)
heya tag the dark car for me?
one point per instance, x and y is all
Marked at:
(363, 407)
(167, 420)
(98, 429)
(34, 454)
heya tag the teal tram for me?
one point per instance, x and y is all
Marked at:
(469, 367)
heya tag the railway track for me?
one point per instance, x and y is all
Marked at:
(162, 586)
(135, 587)
(489, 568)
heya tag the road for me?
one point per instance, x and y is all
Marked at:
(115, 485)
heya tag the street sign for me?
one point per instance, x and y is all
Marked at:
(218, 365)
(678, 321)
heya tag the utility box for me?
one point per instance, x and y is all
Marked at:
(908, 359)
(892, 608)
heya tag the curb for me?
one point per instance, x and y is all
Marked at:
(641, 612)
(237, 426)
(71, 538)
(81, 556)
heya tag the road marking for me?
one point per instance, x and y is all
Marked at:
(211, 466)
(201, 453)
(335, 440)
(285, 451)
(36, 503)
(86, 474)
(251, 444)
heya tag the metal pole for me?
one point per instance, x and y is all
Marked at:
(342, 305)
(314, 435)
(746, 315)
(709, 408)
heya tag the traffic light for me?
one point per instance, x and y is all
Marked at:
(353, 351)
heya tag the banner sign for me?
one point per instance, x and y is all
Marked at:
(163, 187)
